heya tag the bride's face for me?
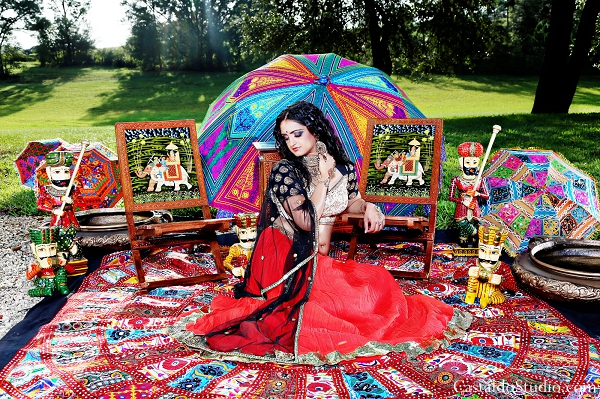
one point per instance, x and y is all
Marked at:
(297, 137)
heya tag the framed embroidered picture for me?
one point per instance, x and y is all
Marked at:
(161, 169)
(160, 165)
(402, 162)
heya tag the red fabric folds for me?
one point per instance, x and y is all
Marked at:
(350, 305)
(265, 332)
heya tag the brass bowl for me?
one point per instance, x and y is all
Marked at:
(113, 219)
(107, 227)
(574, 258)
(560, 269)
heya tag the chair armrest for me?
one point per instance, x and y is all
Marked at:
(411, 222)
(158, 230)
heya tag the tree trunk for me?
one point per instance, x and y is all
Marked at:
(560, 72)
(379, 38)
(583, 42)
(551, 82)
(2, 72)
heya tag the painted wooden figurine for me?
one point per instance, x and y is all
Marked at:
(68, 248)
(51, 196)
(466, 196)
(239, 253)
(48, 272)
(487, 276)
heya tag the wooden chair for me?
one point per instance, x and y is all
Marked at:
(416, 229)
(399, 228)
(422, 139)
(160, 169)
(268, 156)
(413, 229)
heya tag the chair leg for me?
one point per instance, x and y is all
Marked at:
(352, 247)
(137, 261)
(428, 258)
(216, 251)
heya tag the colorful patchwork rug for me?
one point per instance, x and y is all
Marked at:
(109, 341)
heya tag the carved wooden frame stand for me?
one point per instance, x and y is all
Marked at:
(132, 140)
(411, 228)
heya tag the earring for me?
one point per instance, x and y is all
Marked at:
(321, 148)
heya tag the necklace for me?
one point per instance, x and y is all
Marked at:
(312, 164)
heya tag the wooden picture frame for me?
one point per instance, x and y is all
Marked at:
(161, 169)
(402, 160)
(160, 165)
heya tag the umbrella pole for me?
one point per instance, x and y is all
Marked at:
(495, 130)
(84, 144)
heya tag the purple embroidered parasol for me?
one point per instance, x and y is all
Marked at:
(32, 156)
(348, 93)
(538, 192)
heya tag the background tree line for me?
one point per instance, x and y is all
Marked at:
(558, 39)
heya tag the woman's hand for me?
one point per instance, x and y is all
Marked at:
(326, 166)
(374, 219)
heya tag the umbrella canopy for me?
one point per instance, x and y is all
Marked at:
(538, 192)
(32, 156)
(98, 178)
(347, 92)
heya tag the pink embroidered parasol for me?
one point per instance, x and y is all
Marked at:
(98, 178)
(538, 192)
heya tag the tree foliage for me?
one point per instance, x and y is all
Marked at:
(410, 37)
(270, 28)
(416, 35)
(15, 14)
(183, 34)
(527, 32)
(144, 44)
(66, 41)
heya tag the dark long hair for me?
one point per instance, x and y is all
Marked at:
(300, 261)
(318, 125)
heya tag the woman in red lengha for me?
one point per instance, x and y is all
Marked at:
(298, 305)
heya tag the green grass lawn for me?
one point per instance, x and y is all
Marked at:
(85, 103)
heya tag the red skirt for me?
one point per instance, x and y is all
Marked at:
(350, 305)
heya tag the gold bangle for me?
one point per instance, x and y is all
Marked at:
(363, 207)
(380, 212)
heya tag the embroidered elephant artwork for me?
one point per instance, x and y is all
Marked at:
(164, 173)
(402, 166)
(403, 170)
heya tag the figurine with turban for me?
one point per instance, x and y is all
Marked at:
(466, 196)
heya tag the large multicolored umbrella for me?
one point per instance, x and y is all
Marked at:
(538, 192)
(32, 156)
(348, 93)
(98, 178)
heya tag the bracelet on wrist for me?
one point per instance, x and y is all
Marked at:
(380, 214)
(363, 207)
(325, 182)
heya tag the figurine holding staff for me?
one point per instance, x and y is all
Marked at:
(466, 190)
(57, 197)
